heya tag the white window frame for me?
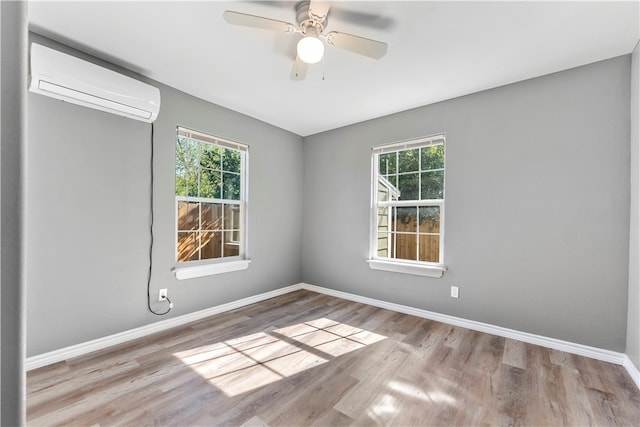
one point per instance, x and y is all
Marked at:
(376, 262)
(205, 267)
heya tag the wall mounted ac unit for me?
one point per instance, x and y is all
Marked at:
(74, 80)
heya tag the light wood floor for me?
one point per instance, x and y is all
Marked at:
(310, 359)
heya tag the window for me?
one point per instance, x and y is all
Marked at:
(408, 206)
(210, 201)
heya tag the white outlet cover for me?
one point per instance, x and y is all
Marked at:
(454, 292)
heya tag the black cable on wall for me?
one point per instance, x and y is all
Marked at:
(151, 238)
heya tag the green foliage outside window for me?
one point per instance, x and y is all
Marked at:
(418, 174)
(205, 170)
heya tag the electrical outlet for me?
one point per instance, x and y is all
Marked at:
(454, 292)
(162, 295)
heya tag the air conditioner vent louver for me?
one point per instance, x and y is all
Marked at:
(74, 80)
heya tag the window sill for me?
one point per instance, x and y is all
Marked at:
(193, 271)
(402, 267)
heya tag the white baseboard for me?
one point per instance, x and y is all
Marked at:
(45, 359)
(633, 371)
(101, 343)
(569, 347)
(556, 344)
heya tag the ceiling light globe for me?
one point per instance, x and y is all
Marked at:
(310, 49)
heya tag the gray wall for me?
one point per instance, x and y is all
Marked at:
(87, 195)
(633, 314)
(537, 206)
(537, 212)
(13, 71)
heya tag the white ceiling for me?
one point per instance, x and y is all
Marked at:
(437, 50)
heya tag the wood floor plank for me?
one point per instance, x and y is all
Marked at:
(515, 354)
(369, 388)
(309, 359)
(303, 411)
(333, 418)
(41, 399)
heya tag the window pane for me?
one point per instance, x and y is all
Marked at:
(406, 219)
(432, 157)
(186, 156)
(231, 217)
(211, 216)
(408, 160)
(187, 216)
(383, 219)
(383, 193)
(387, 190)
(383, 244)
(231, 161)
(210, 185)
(390, 184)
(429, 248)
(387, 164)
(432, 185)
(181, 185)
(230, 186)
(187, 153)
(211, 245)
(393, 179)
(406, 246)
(192, 185)
(231, 244)
(211, 157)
(429, 219)
(187, 247)
(409, 186)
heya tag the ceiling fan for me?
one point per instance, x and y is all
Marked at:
(311, 17)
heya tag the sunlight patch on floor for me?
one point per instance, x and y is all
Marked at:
(408, 390)
(384, 407)
(252, 361)
(388, 405)
(428, 395)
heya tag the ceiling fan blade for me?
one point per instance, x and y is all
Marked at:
(299, 70)
(367, 47)
(319, 9)
(237, 18)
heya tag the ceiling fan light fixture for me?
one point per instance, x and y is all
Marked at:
(310, 49)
